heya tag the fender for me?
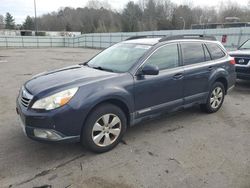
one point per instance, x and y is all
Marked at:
(91, 99)
(113, 93)
(219, 73)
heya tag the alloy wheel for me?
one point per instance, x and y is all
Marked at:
(106, 130)
(216, 97)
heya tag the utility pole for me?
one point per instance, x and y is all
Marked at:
(36, 28)
(184, 22)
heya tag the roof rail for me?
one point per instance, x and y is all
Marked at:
(145, 36)
(189, 36)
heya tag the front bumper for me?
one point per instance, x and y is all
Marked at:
(61, 125)
(243, 71)
(243, 76)
(30, 132)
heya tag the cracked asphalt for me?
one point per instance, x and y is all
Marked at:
(183, 149)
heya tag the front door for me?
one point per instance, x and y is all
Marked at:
(153, 93)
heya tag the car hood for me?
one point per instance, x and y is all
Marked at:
(76, 75)
(240, 53)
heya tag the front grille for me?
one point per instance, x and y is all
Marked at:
(25, 97)
(25, 102)
(241, 60)
(243, 70)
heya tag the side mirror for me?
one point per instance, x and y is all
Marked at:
(150, 70)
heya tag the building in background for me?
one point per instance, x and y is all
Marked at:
(220, 25)
(7, 32)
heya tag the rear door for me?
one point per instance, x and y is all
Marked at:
(196, 71)
(154, 93)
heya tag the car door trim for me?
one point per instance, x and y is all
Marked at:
(161, 106)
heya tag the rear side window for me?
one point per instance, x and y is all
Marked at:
(192, 53)
(215, 51)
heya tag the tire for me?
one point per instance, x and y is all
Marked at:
(104, 128)
(215, 98)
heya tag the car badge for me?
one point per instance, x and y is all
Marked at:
(241, 61)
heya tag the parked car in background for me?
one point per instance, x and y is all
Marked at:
(242, 59)
(137, 79)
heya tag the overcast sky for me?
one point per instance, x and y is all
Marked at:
(21, 8)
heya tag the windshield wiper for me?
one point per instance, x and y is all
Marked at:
(102, 68)
(84, 64)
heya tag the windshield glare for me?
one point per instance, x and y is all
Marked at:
(246, 45)
(119, 58)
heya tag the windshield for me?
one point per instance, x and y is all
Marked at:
(118, 58)
(245, 45)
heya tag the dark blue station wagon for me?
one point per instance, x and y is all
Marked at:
(95, 102)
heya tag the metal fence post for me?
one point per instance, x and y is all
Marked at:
(84, 41)
(110, 39)
(50, 41)
(22, 42)
(37, 45)
(100, 41)
(6, 42)
(92, 41)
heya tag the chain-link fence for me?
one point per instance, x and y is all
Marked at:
(231, 38)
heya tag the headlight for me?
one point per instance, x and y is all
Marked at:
(55, 101)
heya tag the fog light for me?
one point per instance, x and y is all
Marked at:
(46, 134)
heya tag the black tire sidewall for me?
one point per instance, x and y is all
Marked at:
(93, 117)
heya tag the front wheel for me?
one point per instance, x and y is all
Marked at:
(215, 98)
(104, 128)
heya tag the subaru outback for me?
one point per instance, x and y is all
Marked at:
(137, 79)
(242, 60)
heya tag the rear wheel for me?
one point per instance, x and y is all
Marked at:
(104, 128)
(215, 98)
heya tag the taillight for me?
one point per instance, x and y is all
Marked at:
(232, 61)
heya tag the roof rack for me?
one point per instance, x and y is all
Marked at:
(145, 36)
(189, 36)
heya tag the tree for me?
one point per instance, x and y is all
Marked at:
(1, 22)
(97, 4)
(144, 15)
(231, 10)
(182, 14)
(150, 15)
(9, 21)
(131, 15)
(28, 23)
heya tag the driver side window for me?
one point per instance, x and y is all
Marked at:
(165, 57)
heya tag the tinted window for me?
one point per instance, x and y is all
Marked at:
(215, 51)
(192, 53)
(165, 57)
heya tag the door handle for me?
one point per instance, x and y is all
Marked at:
(178, 76)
